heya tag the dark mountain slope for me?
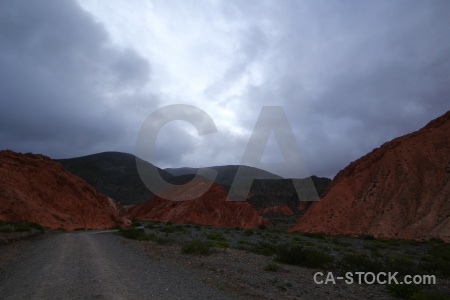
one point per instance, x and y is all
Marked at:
(113, 174)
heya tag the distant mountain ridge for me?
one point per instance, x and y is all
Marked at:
(113, 174)
(226, 174)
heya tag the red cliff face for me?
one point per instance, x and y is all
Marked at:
(400, 190)
(282, 209)
(211, 208)
(36, 189)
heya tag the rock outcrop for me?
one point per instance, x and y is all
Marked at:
(400, 190)
(34, 188)
(210, 208)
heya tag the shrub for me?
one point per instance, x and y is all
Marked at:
(438, 260)
(315, 235)
(216, 236)
(163, 240)
(264, 248)
(405, 291)
(361, 262)
(248, 232)
(197, 247)
(262, 226)
(18, 226)
(367, 237)
(272, 267)
(304, 257)
(133, 233)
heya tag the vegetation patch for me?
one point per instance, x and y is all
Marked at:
(438, 260)
(135, 234)
(197, 247)
(18, 226)
(272, 267)
(303, 256)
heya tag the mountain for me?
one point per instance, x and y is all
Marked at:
(279, 195)
(226, 174)
(210, 208)
(115, 174)
(400, 190)
(34, 188)
(270, 194)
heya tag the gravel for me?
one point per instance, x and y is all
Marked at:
(92, 265)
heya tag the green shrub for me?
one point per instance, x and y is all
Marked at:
(429, 295)
(405, 291)
(438, 260)
(216, 236)
(264, 248)
(197, 247)
(361, 263)
(248, 232)
(133, 233)
(262, 226)
(304, 257)
(163, 240)
(244, 242)
(19, 226)
(272, 267)
(315, 235)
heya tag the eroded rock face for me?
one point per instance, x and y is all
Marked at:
(400, 190)
(34, 188)
(282, 209)
(210, 208)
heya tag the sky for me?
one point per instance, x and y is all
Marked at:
(81, 77)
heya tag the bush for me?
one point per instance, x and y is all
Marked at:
(272, 267)
(438, 260)
(264, 248)
(248, 232)
(133, 233)
(216, 236)
(163, 240)
(405, 291)
(197, 247)
(315, 235)
(304, 257)
(262, 226)
(361, 262)
(18, 226)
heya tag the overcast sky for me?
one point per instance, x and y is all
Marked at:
(80, 77)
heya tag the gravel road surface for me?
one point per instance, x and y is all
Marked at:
(94, 265)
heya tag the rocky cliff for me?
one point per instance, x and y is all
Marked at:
(34, 188)
(400, 190)
(210, 208)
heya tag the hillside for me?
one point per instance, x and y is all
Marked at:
(113, 174)
(400, 190)
(226, 174)
(210, 208)
(36, 189)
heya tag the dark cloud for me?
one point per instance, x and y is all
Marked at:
(62, 80)
(350, 75)
(354, 75)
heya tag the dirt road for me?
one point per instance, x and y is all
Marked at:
(92, 265)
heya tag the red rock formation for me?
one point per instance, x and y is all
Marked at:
(211, 208)
(34, 188)
(282, 209)
(400, 190)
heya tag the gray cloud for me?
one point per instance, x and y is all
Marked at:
(62, 80)
(350, 76)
